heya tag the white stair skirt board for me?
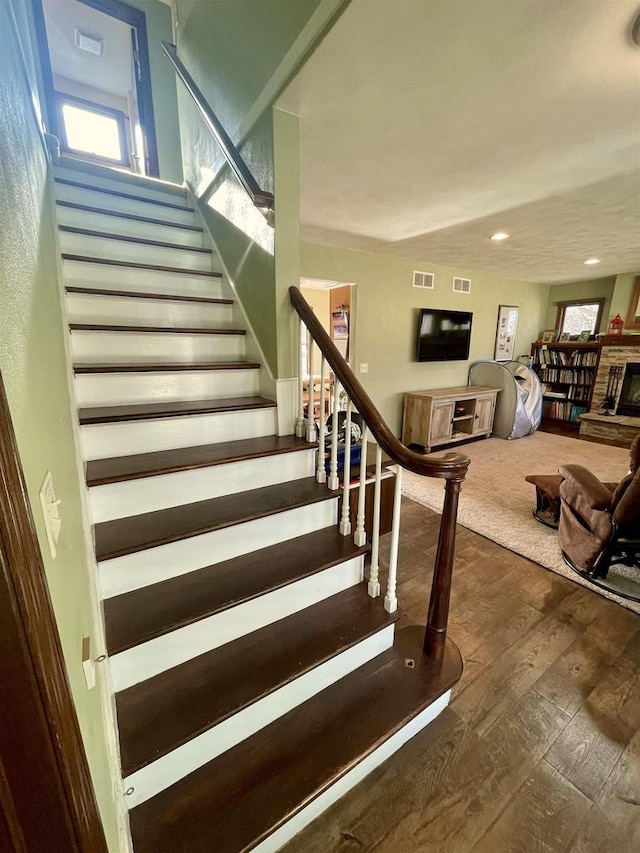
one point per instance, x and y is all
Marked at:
(132, 497)
(105, 276)
(149, 188)
(123, 574)
(162, 653)
(101, 441)
(145, 347)
(129, 311)
(130, 227)
(277, 840)
(121, 204)
(174, 766)
(120, 389)
(119, 250)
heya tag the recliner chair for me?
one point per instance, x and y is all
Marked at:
(600, 526)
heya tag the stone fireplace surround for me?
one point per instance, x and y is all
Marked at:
(621, 429)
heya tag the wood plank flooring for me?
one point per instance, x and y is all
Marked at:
(540, 747)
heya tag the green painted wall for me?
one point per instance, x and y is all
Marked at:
(621, 299)
(33, 365)
(593, 289)
(386, 316)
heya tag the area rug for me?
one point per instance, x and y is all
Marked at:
(496, 502)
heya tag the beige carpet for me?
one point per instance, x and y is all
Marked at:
(497, 502)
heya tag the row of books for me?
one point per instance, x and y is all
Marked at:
(564, 358)
(562, 411)
(573, 392)
(569, 377)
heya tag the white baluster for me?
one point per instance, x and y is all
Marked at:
(360, 536)
(311, 424)
(390, 600)
(333, 483)
(374, 582)
(345, 522)
(301, 370)
(321, 474)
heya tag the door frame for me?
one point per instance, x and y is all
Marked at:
(137, 20)
(47, 800)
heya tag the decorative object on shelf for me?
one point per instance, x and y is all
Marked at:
(613, 383)
(584, 336)
(505, 332)
(616, 326)
(548, 337)
(565, 337)
(633, 317)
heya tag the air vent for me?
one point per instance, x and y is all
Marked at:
(88, 42)
(461, 285)
(423, 279)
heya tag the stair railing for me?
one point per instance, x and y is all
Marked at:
(261, 198)
(451, 467)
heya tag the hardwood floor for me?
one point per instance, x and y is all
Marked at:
(540, 747)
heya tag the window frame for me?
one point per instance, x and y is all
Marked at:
(63, 98)
(570, 303)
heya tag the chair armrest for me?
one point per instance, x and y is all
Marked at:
(594, 493)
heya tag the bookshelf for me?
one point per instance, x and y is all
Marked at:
(567, 372)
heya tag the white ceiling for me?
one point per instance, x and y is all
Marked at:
(111, 72)
(427, 125)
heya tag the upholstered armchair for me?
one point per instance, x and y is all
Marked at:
(600, 525)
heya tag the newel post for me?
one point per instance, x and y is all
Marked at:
(436, 631)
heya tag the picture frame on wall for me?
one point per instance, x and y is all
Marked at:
(506, 332)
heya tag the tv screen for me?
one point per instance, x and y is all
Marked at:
(444, 335)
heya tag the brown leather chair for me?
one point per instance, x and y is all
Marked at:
(600, 525)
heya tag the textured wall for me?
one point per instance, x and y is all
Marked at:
(33, 365)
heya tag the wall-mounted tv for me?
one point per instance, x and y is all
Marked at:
(444, 335)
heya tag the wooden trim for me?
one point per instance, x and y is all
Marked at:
(46, 794)
(140, 241)
(562, 306)
(633, 317)
(130, 217)
(119, 194)
(260, 197)
(87, 259)
(143, 294)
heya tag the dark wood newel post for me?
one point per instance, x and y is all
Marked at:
(436, 631)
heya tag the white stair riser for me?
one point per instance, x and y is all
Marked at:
(277, 840)
(129, 227)
(128, 311)
(146, 347)
(100, 441)
(139, 253)
(133, 571)
(151, 189)
(82, 274)
(119, 204)
(167, 770)
(132, 497)
(113, 389)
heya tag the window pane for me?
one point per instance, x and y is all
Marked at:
(578, 318)
(92, 132)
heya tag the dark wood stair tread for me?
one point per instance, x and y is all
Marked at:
(87, 208)
(235, 801)
(150, 529)
(114, 470)
(143, 294)
(126, 238)
(131, 196)
(162, 367)
(168, 330)
(166, 711)
(112, 262)
(149, 411)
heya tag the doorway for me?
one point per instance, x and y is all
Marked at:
(96, 74)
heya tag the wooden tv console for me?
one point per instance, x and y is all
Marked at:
(448, 415)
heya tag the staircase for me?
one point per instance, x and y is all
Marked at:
(255, 680)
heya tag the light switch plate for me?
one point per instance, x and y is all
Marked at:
(364, 367)
(50, 511)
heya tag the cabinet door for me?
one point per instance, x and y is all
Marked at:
(441, 421)
(483, 419)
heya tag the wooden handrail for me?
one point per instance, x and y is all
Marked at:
(261, 198)
(450, 466)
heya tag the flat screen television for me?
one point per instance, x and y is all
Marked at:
(444, 335)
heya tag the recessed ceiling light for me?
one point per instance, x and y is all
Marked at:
(500, 235)
(591, 261)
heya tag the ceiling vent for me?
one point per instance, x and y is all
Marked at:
(88, 42)
(426, 280)
(461, 285)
